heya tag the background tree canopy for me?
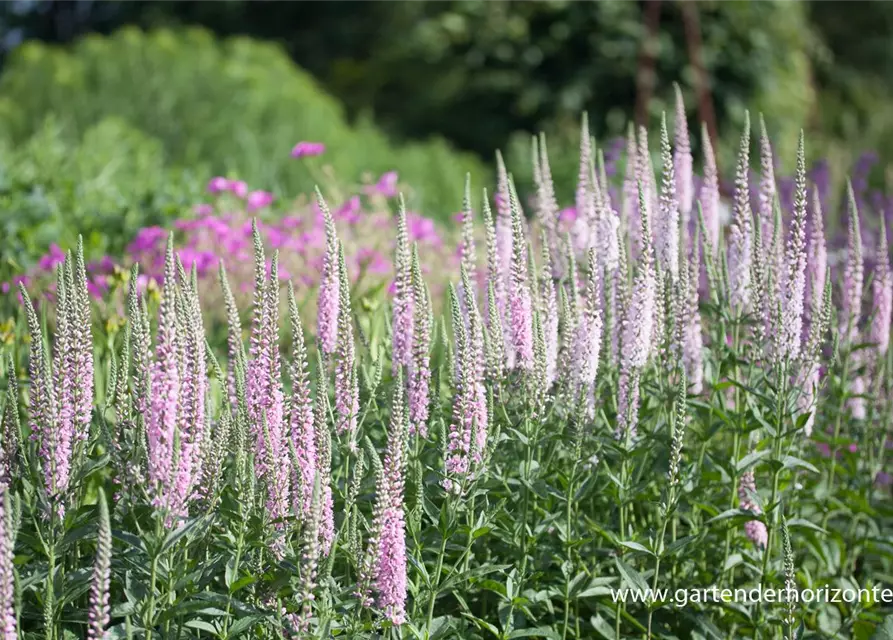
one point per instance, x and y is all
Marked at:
(476, 71)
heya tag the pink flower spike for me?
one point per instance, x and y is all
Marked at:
(308, 149)
(258, 200)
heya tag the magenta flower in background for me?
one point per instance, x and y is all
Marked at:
(422, 230)
(350, 210)
(308, 149)
(147, 239)
(49, 261)
(238, 188)
(218, 185)
(258, 200)
(386, 185)
(203, 209)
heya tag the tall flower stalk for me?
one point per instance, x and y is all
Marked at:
(100, 613)
(402, 318)
(419, 387)
(347, 391)
(8, 621)
(329, 285)
(682, 166)
(741, 234)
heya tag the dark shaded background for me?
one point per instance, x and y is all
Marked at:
(477, 71)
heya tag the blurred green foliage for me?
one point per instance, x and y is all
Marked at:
(490, 69)
(104, 184)
(237, 104)
(120, 131)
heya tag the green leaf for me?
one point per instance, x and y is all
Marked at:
(884, 631)
(730, 514)
(241, 583)
(483, 624)
(201, 624)
(175, 536)
(633, 578)
(601, 625)
(635, 546)
(750, 460)
(538, 632)
(790, 462)
(805, 524)
(439, 627)
(242, 625)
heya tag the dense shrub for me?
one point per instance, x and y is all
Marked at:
(105, 184)
(236, 106)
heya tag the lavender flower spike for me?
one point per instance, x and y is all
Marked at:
(629, 212)
(589, 339)
(548, 308)
(302, 425)
(468, 255)
(637, 336)
(7, 571)
(520, 303)
(682, 162)
(741, 235)
(266, 404)
(388, 544)
(882, 289)
(692, 337)
(324, 458)
(99, 615)
(420, 370)
(585, 225)
(816, 256)
(853, 275)
(747, 492)
(347, 393)
(504, 238)
(401, 323)
(547, 206)
(667, 223)
(794, 283)
(164, 387)
(42, 397)
(83, 344)
(329, 287)
(765, 213)
(709, 194)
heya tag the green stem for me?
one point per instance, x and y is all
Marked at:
(435, 586)
(776, 454)
(567, 538)
(149, 622)
(660, 540)
(50, 602)
(236, 562)
(841, 407)
(736, 453)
